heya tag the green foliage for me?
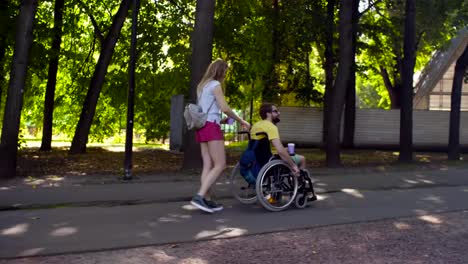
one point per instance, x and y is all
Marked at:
(371, 93)
(162, 66)
(381, 38)
(21, 140)
(243, 36)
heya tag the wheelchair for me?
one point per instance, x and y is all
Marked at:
(275, 186)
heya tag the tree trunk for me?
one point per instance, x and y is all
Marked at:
(89, 106)
(271, 90)
(394, 91)
(131, 94)
(14, 103)
(328, 65)
(454, 132)
(251, 102)
(202, 45)
(4, 19)
(337, 97)
(350, 106)
(2, 63)
(52, 77)
(406, 111)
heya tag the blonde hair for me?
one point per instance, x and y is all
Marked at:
(215, 71)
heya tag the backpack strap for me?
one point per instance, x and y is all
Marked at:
(198, 100)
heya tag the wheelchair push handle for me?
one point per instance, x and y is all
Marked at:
(244, 132)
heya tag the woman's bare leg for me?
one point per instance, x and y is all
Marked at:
(207, 162)
(218, 156)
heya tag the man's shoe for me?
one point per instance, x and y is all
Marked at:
(312, 198)
(214, 206)
(201, 204)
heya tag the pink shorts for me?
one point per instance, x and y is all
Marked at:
(211, 131)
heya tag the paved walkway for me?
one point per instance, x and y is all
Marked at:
(99, 215)
(181, 187)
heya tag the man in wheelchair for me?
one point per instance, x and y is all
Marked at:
(279, 180)
(270, 117)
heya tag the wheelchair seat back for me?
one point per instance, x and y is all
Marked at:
(262, 150)
(257, 154)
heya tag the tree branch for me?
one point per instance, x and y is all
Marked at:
(386, 78)
(97, 31)
(177, 5)
(372, 4)
(418, 40)
(391, 89)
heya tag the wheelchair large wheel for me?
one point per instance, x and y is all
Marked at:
(276, 186)
(240, 188)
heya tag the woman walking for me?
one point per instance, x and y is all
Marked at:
(211, 99)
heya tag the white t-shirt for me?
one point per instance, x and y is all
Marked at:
(207, 97)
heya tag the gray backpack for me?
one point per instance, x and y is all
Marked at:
(194, 115)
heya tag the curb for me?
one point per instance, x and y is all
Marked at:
(112, 203)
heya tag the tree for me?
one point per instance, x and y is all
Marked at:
(271, 89)
(383, 27)
(255, 37)
(454, 131)
(337, 96)
(89, 106)
(350, 105)
(131, 93)
(202, 45)
(406, 111)
(19, 69)
(243, 35)
(328, 65)
(52, 79)
(5, 19)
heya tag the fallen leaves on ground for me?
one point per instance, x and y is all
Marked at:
(99, 160)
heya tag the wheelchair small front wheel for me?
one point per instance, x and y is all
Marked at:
(300, 201)
(276, 186)
(240, 188)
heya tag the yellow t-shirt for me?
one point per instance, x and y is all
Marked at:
(264, 126)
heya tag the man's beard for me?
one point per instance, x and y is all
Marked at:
(276, 120)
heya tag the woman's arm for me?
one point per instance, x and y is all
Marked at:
(219, 95)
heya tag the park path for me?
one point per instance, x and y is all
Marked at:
(91, 228)
(434, 238)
